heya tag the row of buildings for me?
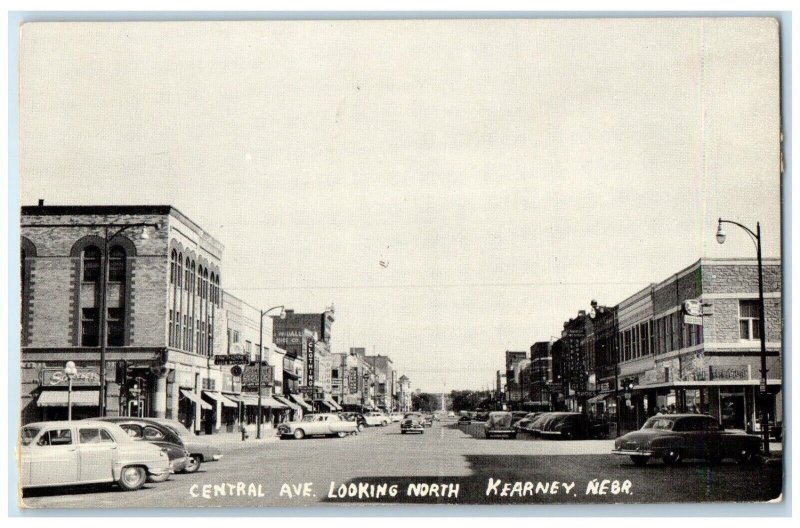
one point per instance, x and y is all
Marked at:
(133, 295)
(688, 343)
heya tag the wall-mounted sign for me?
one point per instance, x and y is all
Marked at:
(231, 359)
(693, 319)
(692, 307)
(310, 368)
(729, 372)
(250, 376)
(288, 337)
(353, 381)
(86, 377)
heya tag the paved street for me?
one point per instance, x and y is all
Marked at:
(444, 465)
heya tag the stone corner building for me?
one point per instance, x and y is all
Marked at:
(163, 301)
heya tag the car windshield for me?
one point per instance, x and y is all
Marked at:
(500, 419)
(659, 423)
(309, 418)
(28, 434)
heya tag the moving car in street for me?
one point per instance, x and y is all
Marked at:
(87, 452)
(199, 451)
(427, 420)
(412, 423)
(676, 437)
(322, 424)
(375, 418)
(499, 424)
(162, 436)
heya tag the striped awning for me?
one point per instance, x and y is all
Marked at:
(195, 398)
(272, 403)
(59, 398)
(330, 402)
(286, 401)
(301, 402)
(219, 398)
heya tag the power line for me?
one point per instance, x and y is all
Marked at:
(454, 285)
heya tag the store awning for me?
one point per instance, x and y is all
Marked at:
(603, 396)
(251, 400)
(301, 402)
(286, 401)
(331, 402)
(289, 374)
(272, 403)
(195, 398)
(219, 398)
(59, 398)
(233, 397)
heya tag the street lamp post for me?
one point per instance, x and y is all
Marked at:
(261, 360)
(70, 371)
(756, 238)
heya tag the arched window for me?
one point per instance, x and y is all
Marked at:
(172, 265)
(91, 264)
(179, 274)
(116, 264)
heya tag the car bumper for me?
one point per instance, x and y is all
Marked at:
(501, 431)
(632, 452)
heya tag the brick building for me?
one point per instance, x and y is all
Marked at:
(384, 381)
(158, 274)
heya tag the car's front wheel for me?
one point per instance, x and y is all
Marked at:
(672, 458)
(299, 434)
(132, 478)
(360, 427)
(193, 464)
(639, 460)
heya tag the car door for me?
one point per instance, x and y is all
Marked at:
(97, 452)
(54, 458)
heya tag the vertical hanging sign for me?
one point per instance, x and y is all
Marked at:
(310, 365)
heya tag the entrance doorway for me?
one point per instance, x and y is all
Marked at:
(733, 410)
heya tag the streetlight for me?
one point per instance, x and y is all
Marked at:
(70, 370)
(261, 359)
(147, 230)
(756, 238)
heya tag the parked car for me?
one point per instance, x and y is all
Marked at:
(199, 451)
(160, 435)
(322, 424)
(568, 425)
(464, 420)
(481, 416)
(85, 452)
(499, 424)
(538, 423)
(412, 423)
(522, 425)
(516, 416)
(375, 418)
(396, 416)
(676, 437)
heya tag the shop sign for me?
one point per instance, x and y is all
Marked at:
(231, 359)
(353, 381)
(693, 319)
(250, 376)
(729, 372)
(86, 377)
(288, 337)
(310, 369)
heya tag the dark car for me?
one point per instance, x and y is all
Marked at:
(538, 423)
(412, 423)
(464, 420)
(499, 424)
(355, 417)
(675, 437)
(523, 424)
(481, 416)
(199, 450)
(572, 426)
(516, 416)
(158, 434)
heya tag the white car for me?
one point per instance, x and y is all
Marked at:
(87, 452)
(396, 416)
(322, 424)
(377, 418)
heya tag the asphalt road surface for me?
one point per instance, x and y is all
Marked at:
(446, 465)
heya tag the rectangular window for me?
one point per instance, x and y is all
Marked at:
(248, 347)
(170, 338)
(90, 327)
(749, 319)
(116, 326)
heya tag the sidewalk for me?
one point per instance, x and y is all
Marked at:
(233, 439)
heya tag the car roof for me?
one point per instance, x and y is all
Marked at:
(66, 423)
(682, 415)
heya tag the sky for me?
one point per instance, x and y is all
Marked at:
(455, 188)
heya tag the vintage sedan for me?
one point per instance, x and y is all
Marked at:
(87, 452)
(412, 423)
(675, 437)
(427, 420)
(522, 425)
(573, 426)
(499, 424)
(322, 424)
(199, 451)
(146, 430)
(377, 418)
